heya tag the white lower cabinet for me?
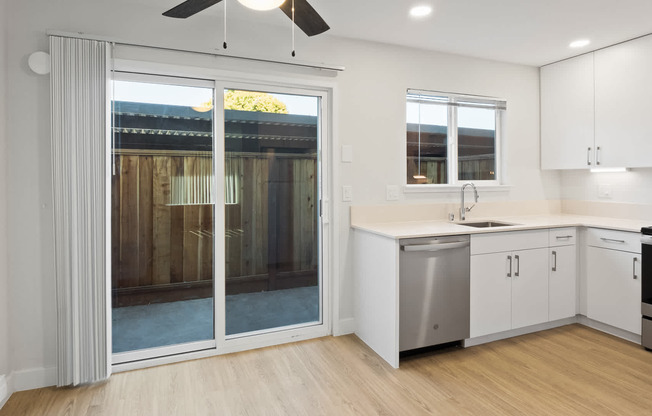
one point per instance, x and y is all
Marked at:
(491, 294)
(508, 290)
(562, 273)
(614, 288)
(562, 292)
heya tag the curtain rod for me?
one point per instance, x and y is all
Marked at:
(81, 35)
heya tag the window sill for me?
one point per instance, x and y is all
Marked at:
(450, 189)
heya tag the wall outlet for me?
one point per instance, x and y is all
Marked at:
(604, 191)
(392, 192)
(347, 193)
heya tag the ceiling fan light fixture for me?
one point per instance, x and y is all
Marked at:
(261, 4)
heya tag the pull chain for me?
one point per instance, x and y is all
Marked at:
(224, 44)
(293, 25)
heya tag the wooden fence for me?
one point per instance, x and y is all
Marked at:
(435, 169)
(271, 226)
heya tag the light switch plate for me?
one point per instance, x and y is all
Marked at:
(347, 193)
(392, 192)
(347, 153)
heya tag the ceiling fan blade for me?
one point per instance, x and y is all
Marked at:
(305, 17)
(190, 7)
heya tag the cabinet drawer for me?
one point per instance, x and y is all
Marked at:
(613, 239)
(562, 236)
(508, 241)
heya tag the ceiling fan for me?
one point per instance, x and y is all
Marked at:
(305, 17)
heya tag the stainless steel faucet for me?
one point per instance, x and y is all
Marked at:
(463, 210)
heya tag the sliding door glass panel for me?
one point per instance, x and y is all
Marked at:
(162, 215)
(476, 136)
(272, 195)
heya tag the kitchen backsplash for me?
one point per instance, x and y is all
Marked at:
(439, 212)
(493, 209)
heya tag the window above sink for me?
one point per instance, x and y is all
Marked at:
(451, 139)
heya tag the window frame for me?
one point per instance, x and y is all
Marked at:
(452, 100)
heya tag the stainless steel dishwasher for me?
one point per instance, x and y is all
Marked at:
(434, 284)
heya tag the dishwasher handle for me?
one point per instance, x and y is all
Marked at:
(435, 246)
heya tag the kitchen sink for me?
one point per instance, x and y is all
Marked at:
(486, 224)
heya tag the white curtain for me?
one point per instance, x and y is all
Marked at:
(79, 146)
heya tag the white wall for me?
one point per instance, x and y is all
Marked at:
(370, 116)
(4, 282)
(634, 186)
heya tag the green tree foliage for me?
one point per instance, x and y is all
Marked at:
(253, 101)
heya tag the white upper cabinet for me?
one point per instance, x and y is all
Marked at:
(623, 104)
(567, 135)
(595, 108)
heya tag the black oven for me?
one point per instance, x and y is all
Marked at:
(646, 287)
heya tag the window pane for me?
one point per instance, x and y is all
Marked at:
(427, 143)
(476, 134)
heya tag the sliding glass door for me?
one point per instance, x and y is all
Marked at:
(216, 235)
(162, 216)
(272, 194)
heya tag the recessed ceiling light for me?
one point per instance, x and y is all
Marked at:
(420, 11)
(579, 43)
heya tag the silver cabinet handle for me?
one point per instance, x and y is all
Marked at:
(588, 156)
(634, 268)
(509, 273)
(597, 155)
(563, 237)
(611, 240)
(518, 265)
(554, 261)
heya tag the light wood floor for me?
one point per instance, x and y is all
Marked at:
(571, 370)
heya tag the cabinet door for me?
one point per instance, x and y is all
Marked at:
(567, 114)
(614, 288)
(490, 294)
(562, 283)
(622, 103)
(530, 287)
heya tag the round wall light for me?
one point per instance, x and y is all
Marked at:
(39, 62)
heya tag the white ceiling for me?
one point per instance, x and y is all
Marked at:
(526, 32)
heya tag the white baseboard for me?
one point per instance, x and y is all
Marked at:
(518, 332)
(5, 391)
(34, 378)
(344, 327)
(620, 333)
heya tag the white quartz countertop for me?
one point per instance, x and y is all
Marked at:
(412, 229)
